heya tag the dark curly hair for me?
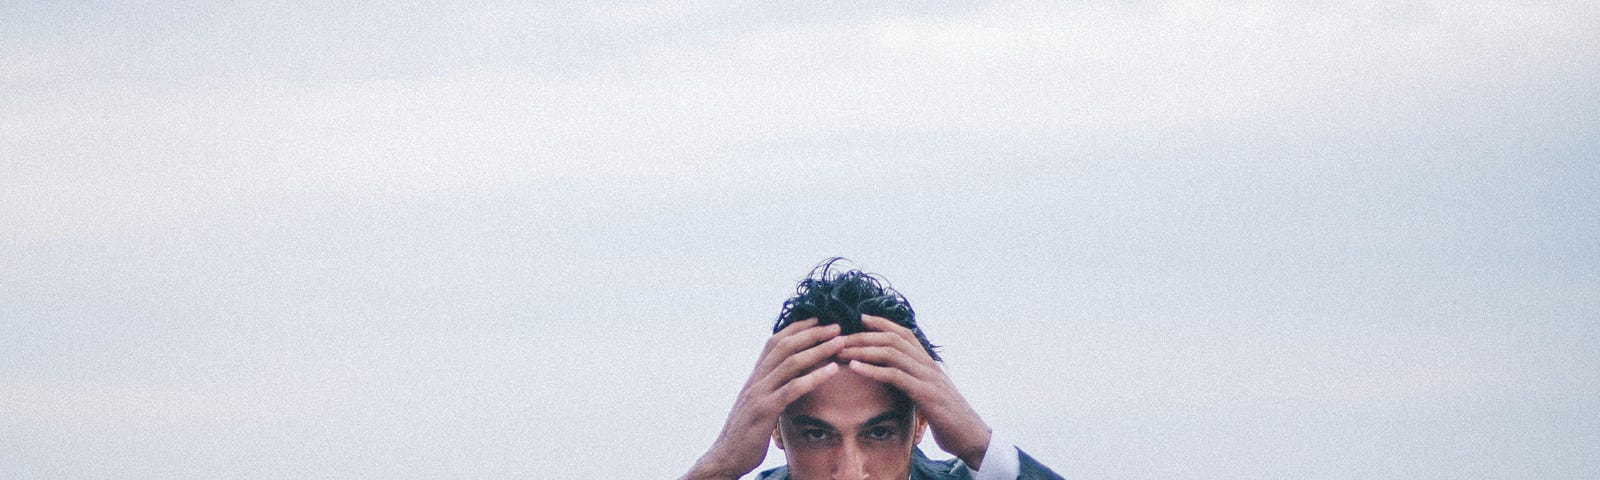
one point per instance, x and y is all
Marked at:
(832, 296)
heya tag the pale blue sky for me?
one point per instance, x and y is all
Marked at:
(1204, 239)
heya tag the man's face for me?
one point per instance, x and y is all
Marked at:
(850, 427)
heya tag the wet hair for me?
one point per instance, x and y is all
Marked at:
(840, 296)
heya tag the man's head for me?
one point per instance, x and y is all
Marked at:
(849, 426)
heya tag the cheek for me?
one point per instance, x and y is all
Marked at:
(889, 460)
(808, 463)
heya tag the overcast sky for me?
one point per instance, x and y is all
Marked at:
(1158, 239)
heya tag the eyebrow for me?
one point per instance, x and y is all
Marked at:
(897, 416)
(810, 421)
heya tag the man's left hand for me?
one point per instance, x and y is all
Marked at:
(891, 354)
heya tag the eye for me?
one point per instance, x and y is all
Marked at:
(880, 433)
(814, 435)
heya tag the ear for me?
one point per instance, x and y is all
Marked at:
(918, 427)
(777, 436)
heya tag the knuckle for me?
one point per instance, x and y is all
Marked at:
(765, 406)
(789, 363)
(786, 343)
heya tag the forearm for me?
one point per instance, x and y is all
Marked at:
(712, 467)
(975, 451)
(708, 473)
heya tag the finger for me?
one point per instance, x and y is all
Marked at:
(911, 347)
(888, 357)
(893, 358)
(803, 339)
(800, 362)
(802, 385)
(782, 348)
(885, 325)
(763, 361)
(893, 376)
(873, 338)
(797, 326)
(788, 331)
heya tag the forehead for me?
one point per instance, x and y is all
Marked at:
(848, 399)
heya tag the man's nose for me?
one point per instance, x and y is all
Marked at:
(851, 463)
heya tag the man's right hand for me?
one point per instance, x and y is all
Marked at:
(783, 374)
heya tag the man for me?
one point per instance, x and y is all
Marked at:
(846, 386)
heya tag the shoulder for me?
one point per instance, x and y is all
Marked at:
(1033, 470)
(924, 468)
(780, 473)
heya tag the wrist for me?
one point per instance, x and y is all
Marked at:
(972, 454)
(713, 467)
(703, 472)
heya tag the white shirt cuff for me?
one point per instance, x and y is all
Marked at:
(1000, 461)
